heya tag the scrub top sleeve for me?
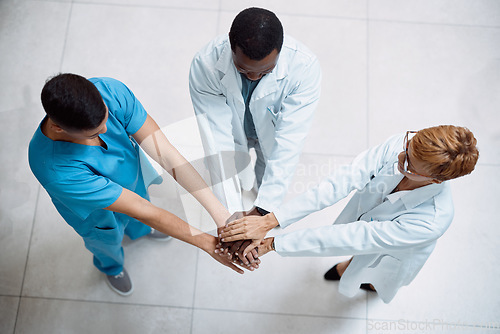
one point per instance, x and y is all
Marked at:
(84, 193)
(122, 102)
(133, 113)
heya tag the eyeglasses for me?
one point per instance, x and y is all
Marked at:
(406, 163)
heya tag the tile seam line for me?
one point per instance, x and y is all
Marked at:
(352, 18)
(367, 117)
(105, 302)
(218, 10)
(434, 23)
(284, 13)
(66, 37)
(279, 313)
(9, 296)
(190, 308)
(246, 312)
(368, 133)
(366, 313)
(27, 256)
(368, 18)
(53, 1)
(194, 288)
(142, 6)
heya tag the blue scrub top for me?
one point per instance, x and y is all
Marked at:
(82, 180)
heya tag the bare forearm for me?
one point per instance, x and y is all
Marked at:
(191, 181)
(170, 159)
(133, 205)
(172, 225)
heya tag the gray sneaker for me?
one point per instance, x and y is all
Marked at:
(158, 236)
(121, 283)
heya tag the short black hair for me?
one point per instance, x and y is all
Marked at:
(257, 32)
(73, 102)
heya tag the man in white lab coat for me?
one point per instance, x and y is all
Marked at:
(255, 88)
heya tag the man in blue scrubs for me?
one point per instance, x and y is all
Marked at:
(85, 154)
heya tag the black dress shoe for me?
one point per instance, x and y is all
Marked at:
(367, 287)
(332, 274)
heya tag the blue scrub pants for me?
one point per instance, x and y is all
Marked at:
(106, 244)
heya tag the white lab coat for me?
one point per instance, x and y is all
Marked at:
(282, 107)
(390, 238)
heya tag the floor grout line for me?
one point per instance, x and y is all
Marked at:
(190, 308)
(194, 288)
(219, 10)
(367, 75)
(367, 113)
(27, 256)
(316, 16)
(366, 313)
(434, 23)
(66, 37)
(493, 324)
(39, 189)
(123, 5)
(103, 302)
(280, 313)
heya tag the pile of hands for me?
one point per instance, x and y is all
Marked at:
(242, 240)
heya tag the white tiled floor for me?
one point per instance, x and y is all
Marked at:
(388, 66)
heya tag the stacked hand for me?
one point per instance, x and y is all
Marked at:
(212, 251)
(242, 239)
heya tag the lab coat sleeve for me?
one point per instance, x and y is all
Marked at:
(292, 126)
(340, 183)
(214, 121)
(361, 237)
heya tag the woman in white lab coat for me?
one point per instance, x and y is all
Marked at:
(401, 206)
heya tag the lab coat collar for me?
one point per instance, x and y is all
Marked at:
(418, 196)
(414, 197)
(225, 61)
(394, 197)
(231, 79)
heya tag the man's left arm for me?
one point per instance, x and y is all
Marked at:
(292, 127)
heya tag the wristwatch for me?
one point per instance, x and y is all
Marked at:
(262, 211)
(272, 246)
